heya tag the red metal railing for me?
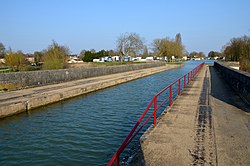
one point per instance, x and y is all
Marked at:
(179, 84)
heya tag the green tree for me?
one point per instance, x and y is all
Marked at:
(167, 48)
(15, 60)
(213, 54)
(195, 54)
(89, 55)
(55, 57)
(38, 57)
(239, 50)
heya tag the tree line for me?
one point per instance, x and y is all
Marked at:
(127, 44)
(54, 57)
(238, 49)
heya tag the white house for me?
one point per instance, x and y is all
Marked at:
(103, 59)
(2, 60)
(137, 58)
(116, 58)
(150, 58)
(96, 60)
(74, 59)
(184, 58)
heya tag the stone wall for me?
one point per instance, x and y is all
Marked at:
(238, 80)
(229, 63)
(43, 77)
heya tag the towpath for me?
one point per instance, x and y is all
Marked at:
(14, 102)
(208, 124)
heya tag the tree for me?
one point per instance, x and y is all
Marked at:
(92, 50)
(112, 53)
(82, 54)
(213, 54)
(167, 48)
(2, 50)
(145, 52)
(55, 57)
(239, 50)
(89, 56)
(195, 54)
(178, 38)
(15, 60)
(38, 57)
(129, 44)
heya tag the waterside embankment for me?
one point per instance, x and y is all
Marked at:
(20, 80)
(13, 102)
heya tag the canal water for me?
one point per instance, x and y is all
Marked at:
(86, 130)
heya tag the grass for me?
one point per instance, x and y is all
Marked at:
(5, 70)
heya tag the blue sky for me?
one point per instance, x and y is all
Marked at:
(31, 25)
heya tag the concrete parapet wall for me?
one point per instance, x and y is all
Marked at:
(229, 63)
(44, 77)
(238, 80)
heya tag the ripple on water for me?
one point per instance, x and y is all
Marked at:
(85, 130)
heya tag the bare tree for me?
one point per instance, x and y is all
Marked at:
(129, 44)
(145, 52)
(178, 38)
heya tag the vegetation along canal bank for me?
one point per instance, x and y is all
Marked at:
(14, 102)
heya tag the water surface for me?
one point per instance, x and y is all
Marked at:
(86, 130)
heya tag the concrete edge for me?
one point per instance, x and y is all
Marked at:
(45, 99)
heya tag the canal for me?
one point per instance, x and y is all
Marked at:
(86, 130)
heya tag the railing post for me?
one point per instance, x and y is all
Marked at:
(117, 160)
(179, 86)
(170, 95)
(184, 81)
(155, 109)
(188, 77)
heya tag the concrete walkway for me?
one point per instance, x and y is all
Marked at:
(14, 102)
(207, 125)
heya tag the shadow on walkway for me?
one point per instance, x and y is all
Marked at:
(221, 90)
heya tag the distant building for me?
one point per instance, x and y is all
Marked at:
(96, 60)
(30, 59)
(150, 58)
(127, 58)
(104, 59)
(184, 58)
(2, 60)
(137, 58)
(116, 58)
(74, 59)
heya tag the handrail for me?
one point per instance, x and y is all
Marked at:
(156, 107)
